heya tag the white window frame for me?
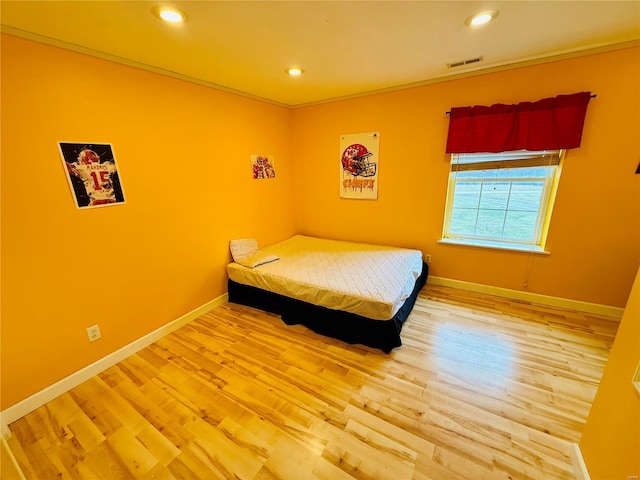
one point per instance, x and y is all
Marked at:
(496, 162)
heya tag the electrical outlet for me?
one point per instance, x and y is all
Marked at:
(427, 257)
(94, 333)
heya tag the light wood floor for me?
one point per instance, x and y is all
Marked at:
(483, 388)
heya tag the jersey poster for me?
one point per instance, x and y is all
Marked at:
(262, 166)
(359, 159)
(92, 174)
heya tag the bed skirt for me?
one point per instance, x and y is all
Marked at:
(345, 326)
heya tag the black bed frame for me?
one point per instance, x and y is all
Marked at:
(345, 326)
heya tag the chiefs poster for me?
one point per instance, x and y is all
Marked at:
(359, 161)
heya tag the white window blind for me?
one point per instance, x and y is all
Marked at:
(501, 199)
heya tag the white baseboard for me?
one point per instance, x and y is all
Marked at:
(594, 308)
(38, 399)
(579, 467)
(11, 471)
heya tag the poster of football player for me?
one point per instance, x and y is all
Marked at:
(92, 174)
(262, 166)
(359, 165)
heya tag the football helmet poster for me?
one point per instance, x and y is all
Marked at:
(359, 165)
(92, 174)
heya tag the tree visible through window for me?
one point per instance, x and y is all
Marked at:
(501, 199)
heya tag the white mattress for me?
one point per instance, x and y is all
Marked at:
(368, 280)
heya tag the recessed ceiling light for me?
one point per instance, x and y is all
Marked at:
(481, 18)
(294, 71)
(169, 14)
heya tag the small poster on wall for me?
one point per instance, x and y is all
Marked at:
(92, 174)
(359, 165)
(262, 166)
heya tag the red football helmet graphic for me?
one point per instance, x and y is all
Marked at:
(87, 157)
(355, 161)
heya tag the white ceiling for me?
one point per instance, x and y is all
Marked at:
(346, 48)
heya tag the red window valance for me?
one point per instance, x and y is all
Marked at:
(548, 124)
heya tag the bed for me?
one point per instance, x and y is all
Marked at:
(355, 292)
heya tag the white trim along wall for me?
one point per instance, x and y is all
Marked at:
(577, 461)
(594, 308)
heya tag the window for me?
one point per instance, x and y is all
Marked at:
(501, 200)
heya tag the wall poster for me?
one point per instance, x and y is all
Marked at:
(92, 174)
(359, 165)
(262, 166)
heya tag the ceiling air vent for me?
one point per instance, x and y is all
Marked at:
(465, 62)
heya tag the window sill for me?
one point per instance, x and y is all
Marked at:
(513, 247)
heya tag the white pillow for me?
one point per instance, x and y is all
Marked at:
(243, 247)
(245, 252)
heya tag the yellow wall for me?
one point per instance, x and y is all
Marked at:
(610, 441)
(595, 228)
(183, 155)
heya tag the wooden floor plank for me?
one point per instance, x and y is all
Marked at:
(482, 388)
